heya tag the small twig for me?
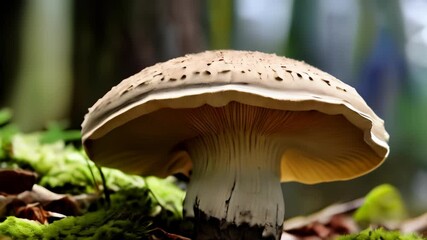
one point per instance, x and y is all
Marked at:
(104, 184)
(93, 176)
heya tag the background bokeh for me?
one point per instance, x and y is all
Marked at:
(58, 57)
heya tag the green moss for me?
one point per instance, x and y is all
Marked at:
(65, 168)
(5, 115)
(21, 228)
(382, 205)
(101, 224)
(380, 234)
(167, 194)
(130, 216)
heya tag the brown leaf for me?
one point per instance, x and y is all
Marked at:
(4, 203)
(41, 204)
(158, 233)
(15, 181)
(343, 224)
(60, 203)
(323, 215)
(418, 225)
(325, 224)
(321, 230)
(39, 194)
(33, 212)
(65, 205)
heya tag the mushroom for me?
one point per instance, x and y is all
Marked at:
(238, 123)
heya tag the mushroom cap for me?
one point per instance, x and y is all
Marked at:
(139, 124)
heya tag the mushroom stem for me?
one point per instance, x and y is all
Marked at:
(235, 190)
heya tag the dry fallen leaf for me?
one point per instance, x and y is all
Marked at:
(330, 222)
(32, 212)
(418, 224)
(158, 233)
(15, 181)
(41, 204)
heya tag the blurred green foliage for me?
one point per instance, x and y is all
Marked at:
(221, 23)
(382, 205)
(19, 228)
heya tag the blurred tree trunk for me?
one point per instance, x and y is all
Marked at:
(41, 90)
(10, 14)
(181, 29)
(104, 48)
(116, 39)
